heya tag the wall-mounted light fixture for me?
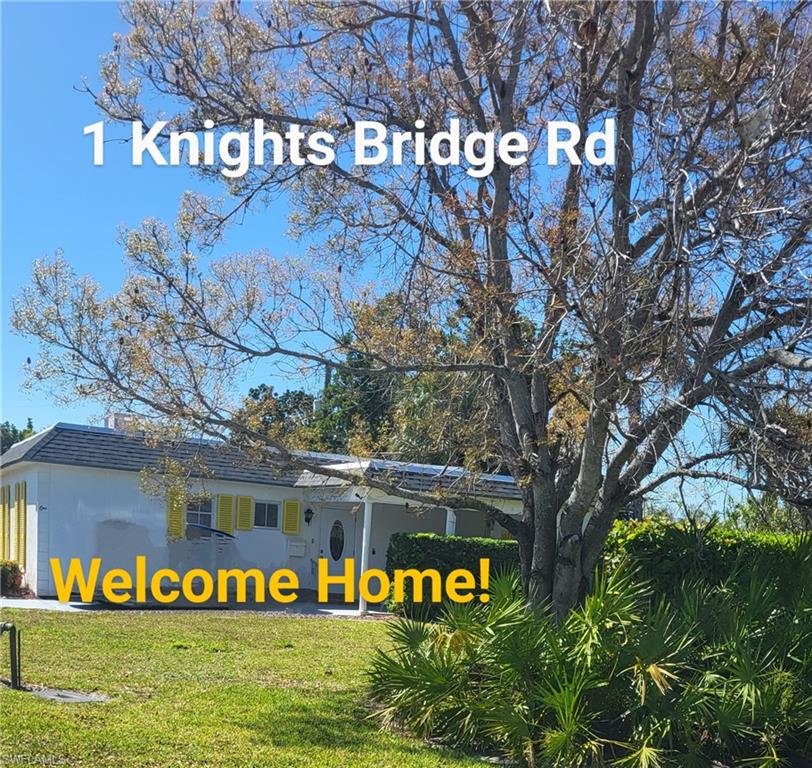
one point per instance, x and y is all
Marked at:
(308, 515)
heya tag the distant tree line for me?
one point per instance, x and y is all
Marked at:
(10, 434)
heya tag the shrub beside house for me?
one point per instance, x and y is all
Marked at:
(694, 648)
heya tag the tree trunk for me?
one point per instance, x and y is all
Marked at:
(568, 577)
(525, 539)
(557, 571)
(550, 569)
(544, 542)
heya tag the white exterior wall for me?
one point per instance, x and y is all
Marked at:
(473, 524)
(86, 513)
(81, 512)
(395, 518)
(105, 513)
(391, 518)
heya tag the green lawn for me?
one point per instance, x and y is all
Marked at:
(200, 688)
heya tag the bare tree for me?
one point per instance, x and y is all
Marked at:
(774, 446)
(603, 307)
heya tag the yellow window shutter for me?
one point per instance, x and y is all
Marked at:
(8, 523)
(175, 513)
(24, 528)
(20, 523)
(16, 516)
(225, 513)
(245, 513)
(5, 522)
(7, 542)
(290, 517)
(12, 544)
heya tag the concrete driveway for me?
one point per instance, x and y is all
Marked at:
(302, 608)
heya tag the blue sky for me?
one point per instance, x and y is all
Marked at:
(53, 196)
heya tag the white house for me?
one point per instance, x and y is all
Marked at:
(75, 491)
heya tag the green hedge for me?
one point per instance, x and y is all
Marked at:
(666, 553)
(669, 554)
(445, 553)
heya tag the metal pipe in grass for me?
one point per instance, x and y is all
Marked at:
(14, 652)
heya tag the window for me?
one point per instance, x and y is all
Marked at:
(198, 512)
(336, 540)
(266, 514)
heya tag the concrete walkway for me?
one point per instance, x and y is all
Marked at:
(42, 605)
(293, 609)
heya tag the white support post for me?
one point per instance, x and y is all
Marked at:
(450, 522)
(366, 536)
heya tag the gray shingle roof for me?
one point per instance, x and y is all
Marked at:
(87, 446)
(421, 478)
(449, 479)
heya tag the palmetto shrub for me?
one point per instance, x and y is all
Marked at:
(719, 673)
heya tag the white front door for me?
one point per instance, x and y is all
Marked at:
(337, 539)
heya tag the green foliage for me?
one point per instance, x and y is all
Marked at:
(445, 553)
(769, 513)
(665, 553)
(720, 672)
(9, 434)
(11, 577)
(428, 417)
(668, 554)
(437, 419)
(280, 415)
(353, 415)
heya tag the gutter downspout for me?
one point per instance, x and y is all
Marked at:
(366, 537)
